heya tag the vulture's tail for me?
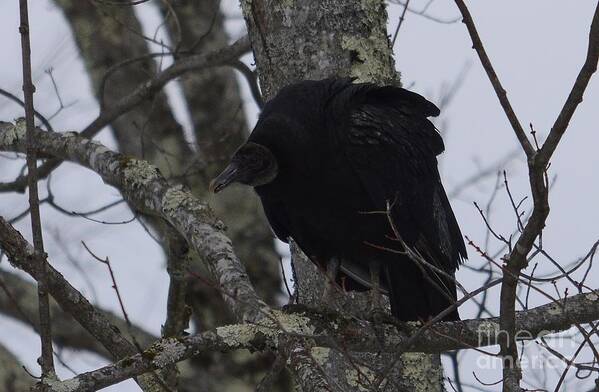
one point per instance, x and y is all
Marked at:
(418, 295)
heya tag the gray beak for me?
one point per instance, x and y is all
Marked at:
(226, 177)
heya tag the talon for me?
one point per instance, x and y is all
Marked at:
(376, 307)
(330, 283)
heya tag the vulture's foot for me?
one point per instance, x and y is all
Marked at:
(377, 312)
(376, 297)
(330, 285)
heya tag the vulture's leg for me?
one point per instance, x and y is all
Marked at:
(376, 307)
(331, 278)
(377, 313)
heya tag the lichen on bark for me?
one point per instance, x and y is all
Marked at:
(303, 39)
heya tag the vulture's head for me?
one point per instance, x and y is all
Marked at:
(290, 127)
(253, 164)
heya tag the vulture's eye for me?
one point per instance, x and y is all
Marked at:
(262, 164)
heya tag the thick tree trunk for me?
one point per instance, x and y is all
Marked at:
(303, 39)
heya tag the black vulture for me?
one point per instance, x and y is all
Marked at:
(344, 167)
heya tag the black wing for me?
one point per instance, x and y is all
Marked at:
(392, 147)
(277, 217)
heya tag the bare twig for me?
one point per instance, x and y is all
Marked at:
(40, 116)
(47, 358)
(115, 287)
(218, 57)
(401, 19)
(575, 97)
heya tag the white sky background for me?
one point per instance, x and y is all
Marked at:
(537, 48)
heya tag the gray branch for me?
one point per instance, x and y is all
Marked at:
(22, 255)
(18, 300)
(317, 333)
(144, 187)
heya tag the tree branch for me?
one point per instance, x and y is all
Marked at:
(283, 330)
(143, 186)
(23, 255)
(575, 97)
(18, 298)
(45, 330)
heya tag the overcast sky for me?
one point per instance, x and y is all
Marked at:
(537, 47)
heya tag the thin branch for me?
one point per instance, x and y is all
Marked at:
(218, 57)
(401, 19)
(575, 97)
(23, 255)
(355, 335)
(40, 116)
(47, 358)
(122, 306)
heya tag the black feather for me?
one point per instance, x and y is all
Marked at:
(346, 150)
